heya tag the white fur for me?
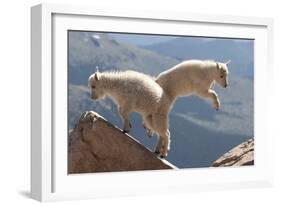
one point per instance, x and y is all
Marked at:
(136, 92)
(194, 77)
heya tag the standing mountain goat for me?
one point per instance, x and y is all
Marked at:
(194, 77)
(136, 92)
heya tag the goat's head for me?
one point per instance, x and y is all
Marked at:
(94, 83)
(222, 74)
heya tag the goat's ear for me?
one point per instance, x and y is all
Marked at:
(218, 66)
(97, 76)
(228, 62)
(97, 68)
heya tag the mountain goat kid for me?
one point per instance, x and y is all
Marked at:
(194, 77)
(136, 92)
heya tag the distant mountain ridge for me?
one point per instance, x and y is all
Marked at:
(90, 51)
(241, 55)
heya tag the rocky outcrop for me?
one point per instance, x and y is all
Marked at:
(240, 155)
(95, 145)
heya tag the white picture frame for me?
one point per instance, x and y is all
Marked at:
(49, 179)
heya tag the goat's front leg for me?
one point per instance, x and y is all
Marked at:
(147, 124)
(148, 131)
(125, 117)
(159, 145)
(210, 94)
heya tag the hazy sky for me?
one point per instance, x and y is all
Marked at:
(140, 39)
(148, 39)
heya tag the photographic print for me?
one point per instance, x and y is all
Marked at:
(149, 102)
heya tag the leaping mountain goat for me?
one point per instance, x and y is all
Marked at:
(194, 77)
(136, 92)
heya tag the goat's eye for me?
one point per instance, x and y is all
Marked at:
(93, 87)
(221, 76)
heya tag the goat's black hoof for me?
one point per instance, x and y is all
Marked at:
(157, 152)
(125, 131)
(149, 135)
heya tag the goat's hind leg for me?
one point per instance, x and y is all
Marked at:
(161, 126)
(165, 144)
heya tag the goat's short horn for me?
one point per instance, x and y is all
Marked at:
(228, 62)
